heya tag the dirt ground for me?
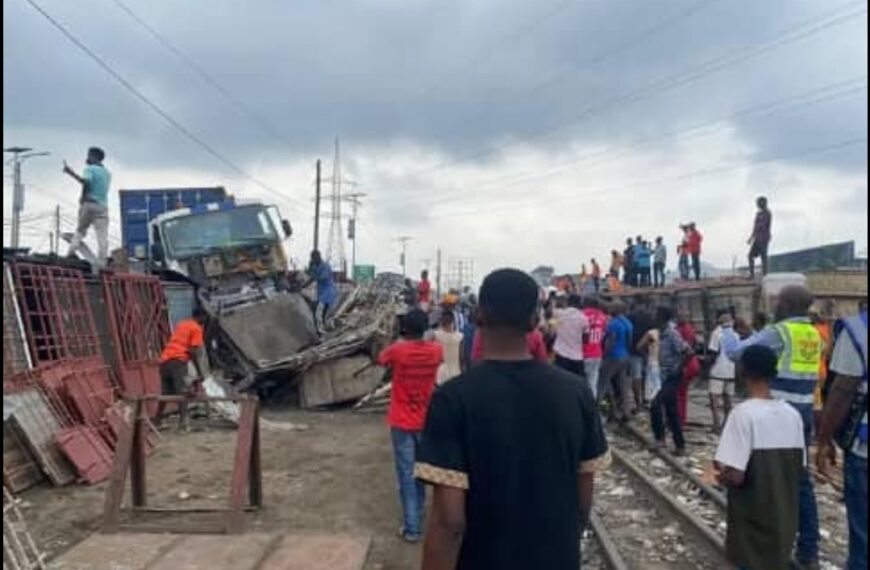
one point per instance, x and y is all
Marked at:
(335, 476)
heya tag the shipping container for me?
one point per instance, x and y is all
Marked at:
(139, 207)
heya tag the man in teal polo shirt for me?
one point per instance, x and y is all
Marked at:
(94, 202)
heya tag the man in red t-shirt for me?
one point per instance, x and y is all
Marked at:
(424, 291)
(593, 342)
(414, 363)
(693, 248)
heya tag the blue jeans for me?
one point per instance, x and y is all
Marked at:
(412, 493)
(808, 513)
(855, 478)
(592, 367)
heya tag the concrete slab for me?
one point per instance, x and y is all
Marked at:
(216, 552)
(213, 552)
(319, 552)
(116, 552)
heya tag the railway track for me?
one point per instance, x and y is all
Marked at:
(698, 504)
(639, 525)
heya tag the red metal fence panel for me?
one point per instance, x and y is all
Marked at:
(140, 327)
(56, 312)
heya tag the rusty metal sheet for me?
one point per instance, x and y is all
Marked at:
(56, 312)
(87, 451)
(139, 323)
(37, 423)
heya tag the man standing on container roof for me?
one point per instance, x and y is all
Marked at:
(759, 241)
(799, 348)
(94, 202)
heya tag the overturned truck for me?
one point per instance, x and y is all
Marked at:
(261, 330)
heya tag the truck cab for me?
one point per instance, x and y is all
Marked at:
(232, 251)
(221, 245)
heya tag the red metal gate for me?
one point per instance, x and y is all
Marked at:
(139, 324)
(56, 312)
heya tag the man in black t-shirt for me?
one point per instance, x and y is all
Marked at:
(511, 448)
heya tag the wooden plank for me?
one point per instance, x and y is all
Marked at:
(137, 459)
(123, 456)
(255, 477)
(241, 467)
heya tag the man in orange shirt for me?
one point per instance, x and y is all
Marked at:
(185, 344)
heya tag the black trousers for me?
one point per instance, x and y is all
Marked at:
(664, 406)
(643, 277)
(696, 265)
(659, 274)
(572, 366)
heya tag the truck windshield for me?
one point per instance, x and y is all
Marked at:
(199, 233)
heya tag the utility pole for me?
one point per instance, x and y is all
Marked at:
(438, 274)
(317, 208)
(335, 245)
(355, 203)
(19, 155)
(57, 230)
(404, 241)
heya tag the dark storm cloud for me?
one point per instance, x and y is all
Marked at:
(463, 77)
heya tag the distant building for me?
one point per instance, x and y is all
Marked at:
(826, 257)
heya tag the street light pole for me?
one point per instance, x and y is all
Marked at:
(19, 155)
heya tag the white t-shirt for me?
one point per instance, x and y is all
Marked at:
(653, 349)
(757, 425)
(450, 368)
(571, 324)
(723, 368)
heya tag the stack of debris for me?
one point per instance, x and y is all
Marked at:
(340, 368)
(63, 420)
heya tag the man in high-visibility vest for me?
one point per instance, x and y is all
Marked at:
(845, 417)
(800, 349)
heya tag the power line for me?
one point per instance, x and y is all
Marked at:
(197, 69)
(510, 37)
(803, 100)
(166, 116)
(660, 26)
(690, 75)
(732, 165)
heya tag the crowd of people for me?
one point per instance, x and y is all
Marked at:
(502, 407)
(643, 264)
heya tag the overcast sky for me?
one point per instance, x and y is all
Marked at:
(513, 132)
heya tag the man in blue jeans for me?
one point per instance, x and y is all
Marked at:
(799, 347)
(845, 413)
(414, 363)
